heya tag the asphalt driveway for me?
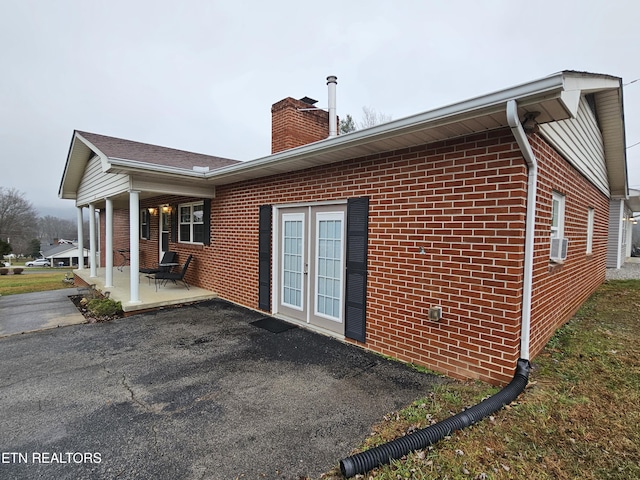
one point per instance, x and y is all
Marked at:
(32, 312)
(195, 392)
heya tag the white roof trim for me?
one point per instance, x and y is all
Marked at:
(104, 160)
(128, 165)
(556, 96)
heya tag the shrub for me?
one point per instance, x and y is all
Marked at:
(104, 307)
(4, 271)
(17, 271)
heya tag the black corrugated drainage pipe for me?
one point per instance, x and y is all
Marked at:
(382, 454)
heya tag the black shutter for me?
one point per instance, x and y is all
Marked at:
(174, 223)
(264, 258)
(207, 221)
(356, 288)
(146, 227)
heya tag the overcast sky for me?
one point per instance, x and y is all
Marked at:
(201, 75)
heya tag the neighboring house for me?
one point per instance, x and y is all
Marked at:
(459, 239)
(65, 255)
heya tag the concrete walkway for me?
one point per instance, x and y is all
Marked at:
(31, 312)
(630, 270)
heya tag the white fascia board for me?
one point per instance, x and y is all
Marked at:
(104, 161)
(590, 83)
(576, 85)
(122, 165)
(193, 189)
(73, 170)
(65, 173)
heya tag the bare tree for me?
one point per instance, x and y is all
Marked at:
(18, 218)
(52, 228)
(371, 117)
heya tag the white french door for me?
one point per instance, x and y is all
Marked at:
(311, 265)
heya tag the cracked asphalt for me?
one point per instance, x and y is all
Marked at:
(195, 392)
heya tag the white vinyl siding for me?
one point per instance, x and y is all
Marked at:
(97, 184)
(580, 141)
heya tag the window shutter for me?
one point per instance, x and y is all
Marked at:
(174, 223)
(356, 285)
(145, 219)
(264, 258)
(207, 221)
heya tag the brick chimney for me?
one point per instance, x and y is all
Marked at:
(294, 125)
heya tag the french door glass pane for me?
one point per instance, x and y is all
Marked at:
(329, 263)
(292, 263)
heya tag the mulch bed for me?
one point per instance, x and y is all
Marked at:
(80, 301)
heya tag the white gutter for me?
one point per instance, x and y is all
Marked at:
(155, 168)
(545, 89)
(539, 90)
(532, 190)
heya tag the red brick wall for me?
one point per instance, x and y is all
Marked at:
(120, 234)
(464, 202)
(201, 267)
(292, 127)
(559, 290)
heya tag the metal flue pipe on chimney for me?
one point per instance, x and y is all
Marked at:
(332, 81)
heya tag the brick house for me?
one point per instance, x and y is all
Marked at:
(459, 238)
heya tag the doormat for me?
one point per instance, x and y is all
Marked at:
(273, 325)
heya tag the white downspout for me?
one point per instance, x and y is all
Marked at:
(532, 190)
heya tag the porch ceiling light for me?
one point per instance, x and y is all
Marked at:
(166, 209)
(152, 211)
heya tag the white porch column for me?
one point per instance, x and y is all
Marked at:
(92, 240)
(134, 244)
(80, 239)
(109, 243)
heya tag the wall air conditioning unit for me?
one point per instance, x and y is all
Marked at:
(559, 247)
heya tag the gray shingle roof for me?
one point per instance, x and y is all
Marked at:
(153, 154)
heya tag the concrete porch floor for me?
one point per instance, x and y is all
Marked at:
(166, 295)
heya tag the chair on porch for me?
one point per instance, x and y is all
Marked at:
(165, 265)
(164, 277)
(125, 258)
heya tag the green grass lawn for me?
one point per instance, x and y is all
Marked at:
(33, 282)
(578, 418)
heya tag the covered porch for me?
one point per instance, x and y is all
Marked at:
(148, 297)
(112, 176)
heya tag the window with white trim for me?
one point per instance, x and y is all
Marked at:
(191, 222)
(591, 215)
(557, 216)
